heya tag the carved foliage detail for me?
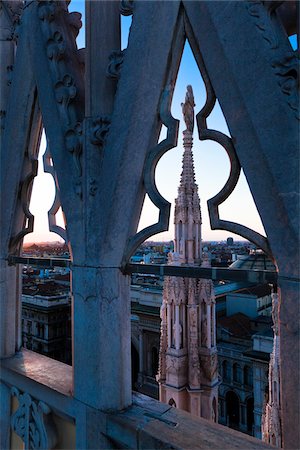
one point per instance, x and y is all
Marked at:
(74, 145)
(287, 71)
(99, 130)
(209, 366)
(115, 64)
(56, 21)
(33, 422)
(93, 187)
(47, 10)
(286, 66)
(56, 46)
(65, 91)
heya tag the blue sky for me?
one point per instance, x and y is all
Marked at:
(211, 164)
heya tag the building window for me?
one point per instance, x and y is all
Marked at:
(233, 409)
(221, 408)
(225, 370)
(155, 359)
(248, 376)
(237, 373)
(172, 402)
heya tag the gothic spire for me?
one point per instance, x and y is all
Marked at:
(187, 216)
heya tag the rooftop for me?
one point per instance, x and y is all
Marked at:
(254, 261)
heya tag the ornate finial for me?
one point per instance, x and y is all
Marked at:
(188, 108)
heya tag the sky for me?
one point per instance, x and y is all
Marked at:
(211, 164)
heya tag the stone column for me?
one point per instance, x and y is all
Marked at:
(184, 330)
(213, 324)
(101, 304)
(7, 51)
(289, 360)
(102, 339)
(199, 242)
(10, 305)
(183, 239)
(102, 38)
(177, 328)
(197, 254)
(191, 256)
(169, 325)
(208, 326)
(10, 320)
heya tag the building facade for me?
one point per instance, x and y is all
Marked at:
(46, 320)
(244, 347)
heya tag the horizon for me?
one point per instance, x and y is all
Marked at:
(62, 243)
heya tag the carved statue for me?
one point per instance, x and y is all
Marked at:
(188, 108)
(275, 313)
(163, 311)
(177, 330)
(204, 333)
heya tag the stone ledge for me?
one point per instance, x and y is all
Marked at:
(46, 371)
(149, 424)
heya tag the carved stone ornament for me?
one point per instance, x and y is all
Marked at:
(209, 366)
(9, 70)
(262, 17)
(194, 371)
(75, 23)
(152, 159)
(126, 7)
(65, 91)
(2, 119)
(47, 10)
(115, 64)
(287, 70)
(99, 130)
(161, 376)
(33, 422)
(286, 66)
(271, 419)
(176, 366)
(59, 29)
(275, 313)
(56, 205)
(56, 46)
(93, 187)
(14, 9)
(73, 139)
